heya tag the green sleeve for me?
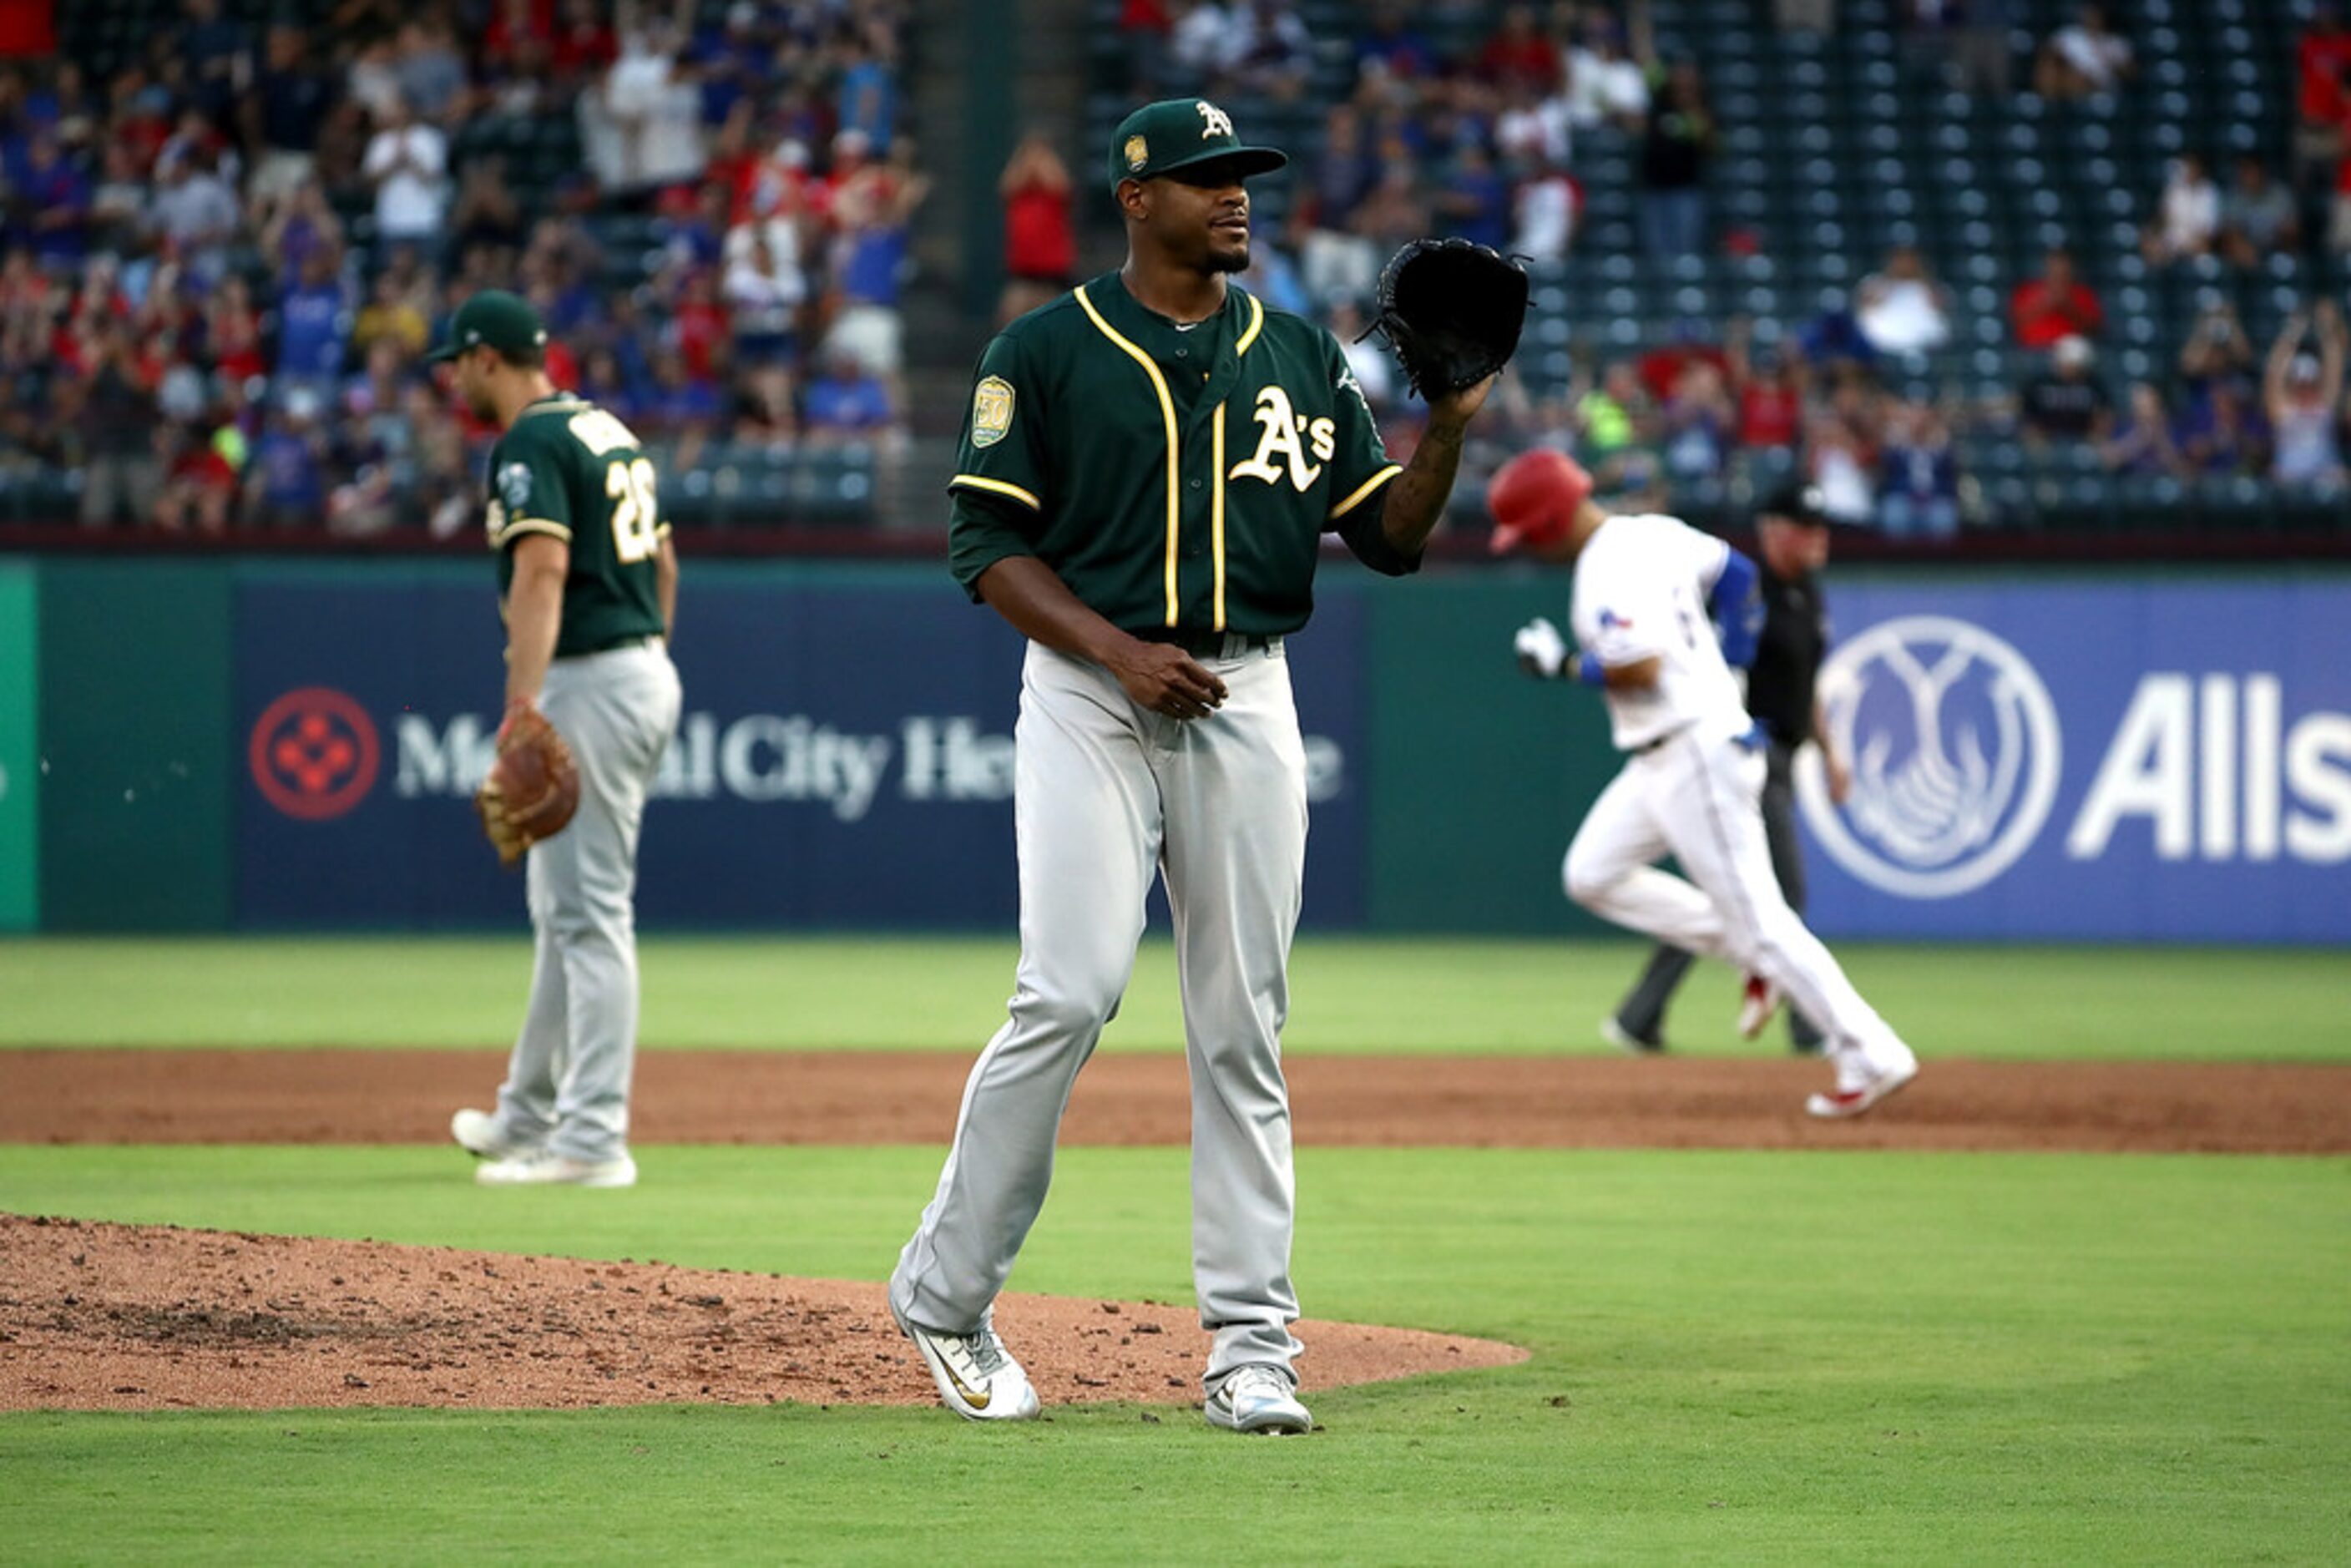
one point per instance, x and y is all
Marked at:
(1360, 465)
(527, 492)
(999, 485)
(984, 529)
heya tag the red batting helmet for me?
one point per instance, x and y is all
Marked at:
(1534, 497)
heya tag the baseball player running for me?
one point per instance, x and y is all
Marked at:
(1146, 471)
(1792, 532)
(1647, 590)
(587, 585)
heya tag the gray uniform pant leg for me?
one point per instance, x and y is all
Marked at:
(1099, 790)
(1235, 787)
(568, 1080)
(1643, 1012)
(1086, 821)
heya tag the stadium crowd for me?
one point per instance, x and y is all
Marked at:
(227, 242)
(225, 254)
(1484, 138)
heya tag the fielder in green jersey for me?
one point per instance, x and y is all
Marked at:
(1148, 466)
(587, 585)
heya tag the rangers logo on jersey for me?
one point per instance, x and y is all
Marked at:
(991, 411)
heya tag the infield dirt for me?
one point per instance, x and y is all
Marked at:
(82, 1096)
(99, 1316)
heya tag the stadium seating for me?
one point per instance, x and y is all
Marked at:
(1833, 148)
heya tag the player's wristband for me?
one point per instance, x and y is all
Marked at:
(1586, 667)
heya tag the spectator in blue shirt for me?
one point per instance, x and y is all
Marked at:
(731, 61)
(846, 402)
(52, 203)
(314, 323)
(1475, 203)
(1918, 477)
(867, 100)
(285, 484)
(2222, 432)
(219, 53)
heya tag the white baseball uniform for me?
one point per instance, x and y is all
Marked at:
(1690, 788)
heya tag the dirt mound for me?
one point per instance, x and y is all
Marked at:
(125, 1317)
(874, 1097)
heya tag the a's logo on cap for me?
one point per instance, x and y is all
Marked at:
(1138, 152)
(1216, 121)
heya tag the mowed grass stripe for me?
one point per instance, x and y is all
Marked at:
(1349, 995)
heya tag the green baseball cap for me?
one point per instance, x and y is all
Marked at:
(493, 319)
(1180, 133)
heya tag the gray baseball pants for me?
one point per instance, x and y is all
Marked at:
(1643, 1013)
(1102, 792)
(568, 1082)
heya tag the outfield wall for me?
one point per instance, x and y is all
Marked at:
(264, 745)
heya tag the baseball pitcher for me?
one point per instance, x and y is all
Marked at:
(1148, 466)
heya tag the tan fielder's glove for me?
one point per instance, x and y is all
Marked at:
(533, 788)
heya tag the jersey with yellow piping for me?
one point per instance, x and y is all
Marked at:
(568, 469)
(1171, 476)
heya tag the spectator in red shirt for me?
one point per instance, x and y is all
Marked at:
(232, 332)
(1147, 23)
(1040, 248)
(2054, 305)
(1661, 369)
(1519, 52)
(584, 43)
(1769, 387)
(2322, 99)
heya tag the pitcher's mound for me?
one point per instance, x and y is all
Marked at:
(136, 1317)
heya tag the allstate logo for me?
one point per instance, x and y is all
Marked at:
(1954, 753)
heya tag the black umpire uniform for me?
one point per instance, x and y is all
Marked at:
(1780, 696)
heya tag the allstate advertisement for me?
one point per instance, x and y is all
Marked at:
(844, 759)
(2143, 760)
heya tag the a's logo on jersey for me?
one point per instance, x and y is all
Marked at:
(1955, 751)
(991, 411)
(1138, 153)
(514, 487)
(1287, 436)
(1215, 122)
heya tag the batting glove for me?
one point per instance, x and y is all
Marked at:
(1543, 652)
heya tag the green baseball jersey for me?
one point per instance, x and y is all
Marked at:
(566, 468)
(1173, 477)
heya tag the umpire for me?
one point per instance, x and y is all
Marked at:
(1792, 535)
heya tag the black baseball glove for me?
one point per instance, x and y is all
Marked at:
(1452, 310)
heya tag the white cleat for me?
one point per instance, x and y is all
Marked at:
(1757, 1002)
(1258, 1399)
(978, 1378)
(1854, 1097)
(477, 1132)
(545, 1167)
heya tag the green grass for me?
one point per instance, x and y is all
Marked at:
(1738, 1357)
(1350, 995)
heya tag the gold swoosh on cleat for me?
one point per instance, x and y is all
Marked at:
(976, 1401)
